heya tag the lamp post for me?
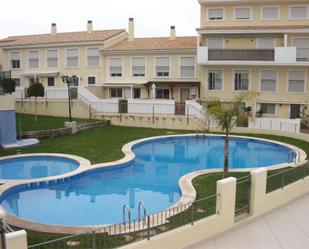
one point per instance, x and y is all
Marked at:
(69, 80)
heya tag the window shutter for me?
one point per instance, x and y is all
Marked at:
(242, 13)
(215, 43)
(15, 55)
(270, 13)
(163, 62)
(297, 81)
(266, 43)
(299, 12)
(268, 80)
(215, 14)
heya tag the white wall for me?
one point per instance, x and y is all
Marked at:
(288, 125)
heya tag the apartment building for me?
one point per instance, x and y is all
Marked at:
(110, 63)
(256, 45)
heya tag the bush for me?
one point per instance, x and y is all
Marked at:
(8, 85)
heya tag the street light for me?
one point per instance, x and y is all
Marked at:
(69, 80)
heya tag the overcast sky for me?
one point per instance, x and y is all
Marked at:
(152, 17)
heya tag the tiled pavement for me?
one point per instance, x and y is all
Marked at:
(285, 228)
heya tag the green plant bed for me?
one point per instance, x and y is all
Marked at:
(25, 122)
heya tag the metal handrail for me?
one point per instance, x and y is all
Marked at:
(141, 205)
(124, 209)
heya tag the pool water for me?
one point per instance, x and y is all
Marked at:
(35, 167)
(97, 197)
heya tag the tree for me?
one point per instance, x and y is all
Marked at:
(36, 90)
(8, 85)
(226, 115)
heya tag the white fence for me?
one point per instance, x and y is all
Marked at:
(151, 106)
(288, 125)
(50, 93)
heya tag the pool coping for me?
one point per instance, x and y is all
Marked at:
(188, 193)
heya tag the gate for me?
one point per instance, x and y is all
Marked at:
(180, 109)
(243, 189)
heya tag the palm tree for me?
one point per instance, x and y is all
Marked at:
(226, 116)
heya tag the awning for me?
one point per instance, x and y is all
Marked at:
(40, 73)
(123, 84)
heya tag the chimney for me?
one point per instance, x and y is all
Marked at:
(89, 27)
(173, 33)
(53, 29)
(131, 29)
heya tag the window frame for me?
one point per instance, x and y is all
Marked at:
(87, 62)
(270, 6)
(242, 7)
(207, 80)
(277, 79)
(163, 89)
(293, 44)
(117, 88)
(46, 57)
(179, 63)
(49, 78)
(95, 80)
(270, 114)
(305, 80)
(298, 19)
(10, 60)
(217, 20)
(249, 79)
(145, 74)
(109, 67)
(78, 57)
(169, 67)
(17, 78)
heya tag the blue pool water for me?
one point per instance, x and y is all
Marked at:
(35, 167)
(96, 197)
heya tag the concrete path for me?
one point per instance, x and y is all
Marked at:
(285, 228)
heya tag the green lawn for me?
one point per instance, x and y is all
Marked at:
(25, 122)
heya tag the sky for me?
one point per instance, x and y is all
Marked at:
(152, 17)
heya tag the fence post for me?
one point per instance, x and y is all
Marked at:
(93, 240)
(90, 114)
(2, 231)
(46, 103)
(16, 240)
(282, 180)
(153, 109)
(192, 213)
(148, 227)
(187, 115)
(258, 190)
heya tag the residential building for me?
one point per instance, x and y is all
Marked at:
(254, 45)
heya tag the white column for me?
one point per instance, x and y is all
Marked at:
(131, 92)
(258, 190)
(285, 44)
(226, 190)
(16, 240)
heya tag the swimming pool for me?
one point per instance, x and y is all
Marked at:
(32, 167)
(96, 197)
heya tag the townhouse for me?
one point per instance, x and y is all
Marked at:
(256, 45)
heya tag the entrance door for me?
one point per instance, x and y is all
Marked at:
(184, 95)
(294, 111)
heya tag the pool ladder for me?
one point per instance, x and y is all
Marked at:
(127, 212)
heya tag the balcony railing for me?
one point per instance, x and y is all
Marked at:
(241, 55)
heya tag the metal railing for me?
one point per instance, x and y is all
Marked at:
(279, 180)
(242, 54)
(243, 190)
(133, 230)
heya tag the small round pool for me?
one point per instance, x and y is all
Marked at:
(96, 196)
(33, 167)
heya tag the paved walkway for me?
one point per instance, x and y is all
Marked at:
(285, 228)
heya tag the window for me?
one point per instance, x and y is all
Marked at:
(162, 66)
(50, 81)
(302, 45)
(138, 67)
(296, 81)
(115, 67)
(242, 13)
(215, 43)
(270, 13)
(33, 59)
(241, 80)
(72, 57)
(136, 93)
(17, 81)
(33, 80)
(269, 109)
(91, 80)
(266, 43)
(116, 92)
(162, 93)
(15, 60)
(93, 57)
(299, 12)
(187, 67)
(268, 80)
(216, 14)
(52, 58)
(215, 80)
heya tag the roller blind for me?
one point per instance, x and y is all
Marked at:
(33, 57)
(138, 67)
(302, 45)
(242, 13)
(215, 43)
(270, 13)
(15, 55)
(266, 43)
(299, 12)
(296, 81)
(72, 57)
(187, 67)
(162, 62)
(52, 58)
(268, 80)
(93, 57)
(215, 14)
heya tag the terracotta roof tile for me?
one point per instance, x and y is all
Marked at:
(155, 43)
(98, 35)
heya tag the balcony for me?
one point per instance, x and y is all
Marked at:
(276, 56)
(241, 55)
